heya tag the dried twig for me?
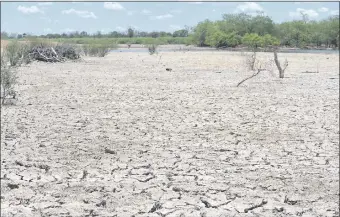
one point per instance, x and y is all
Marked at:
(160, 57)
(258, 72)
(255, 206)
(109, 151)
(155, 207)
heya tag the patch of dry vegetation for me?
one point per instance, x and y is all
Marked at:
(8, 80)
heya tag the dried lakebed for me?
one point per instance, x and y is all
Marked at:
(121, 136)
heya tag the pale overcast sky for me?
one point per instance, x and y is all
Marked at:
(58, 17)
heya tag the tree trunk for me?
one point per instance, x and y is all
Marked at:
(281, 71)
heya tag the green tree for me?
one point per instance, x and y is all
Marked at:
(252, 40)
(202, 32)
(261, 25)
(268, 40)
(239, 23)
(130, 32)
(180, 33)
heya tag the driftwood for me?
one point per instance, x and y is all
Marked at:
(58, 53)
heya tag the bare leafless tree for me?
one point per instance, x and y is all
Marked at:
(285, 65)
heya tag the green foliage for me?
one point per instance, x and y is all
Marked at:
(220, 39)
(134, 40)
(131, 32)
(268, 40)
(262, 25)
(300, 33)
(255, 31)
(181, 33)
(252, 40)
(203, 31)
(239, 23)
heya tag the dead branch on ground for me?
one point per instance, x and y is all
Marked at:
(255, 206)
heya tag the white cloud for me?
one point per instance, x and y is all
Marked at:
(175, 27)
(67, 30)
(161, 17)
(47, 19)
(45, 3)
(121, 29)
(135, 27)
(130, 13)
(213, 10)
(310, 13)
(176, 11)
(323, 9)
(334, 12)
(146, 12)
(29, 10)
(106, 30)
(248, 7)
(47, 30)
(83, 14)
(113, 6)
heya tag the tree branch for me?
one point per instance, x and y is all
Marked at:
(255, 74)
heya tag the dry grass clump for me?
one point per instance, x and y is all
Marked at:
(98, 50)
(8, 80)
(15, 53)
(251, 61)
(152, 48)
(40, 50)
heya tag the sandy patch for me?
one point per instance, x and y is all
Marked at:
(121, 136)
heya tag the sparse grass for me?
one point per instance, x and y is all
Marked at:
(98, 50)
(33, 42)
(251, 61)
(13, 52)
(139, 40)
(8, 80)
(152, 48)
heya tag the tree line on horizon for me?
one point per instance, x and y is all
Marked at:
(234, 30)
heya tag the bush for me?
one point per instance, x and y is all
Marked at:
(8, 80)
(98, 50)
(200, 33)
(251, 61)
(252, 40)
(268, 40)
(13, 52)
(152, 48)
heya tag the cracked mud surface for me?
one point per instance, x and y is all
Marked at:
(121, 136)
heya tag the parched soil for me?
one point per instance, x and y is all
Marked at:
(122, 136)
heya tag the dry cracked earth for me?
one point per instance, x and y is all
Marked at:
(121, 136)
